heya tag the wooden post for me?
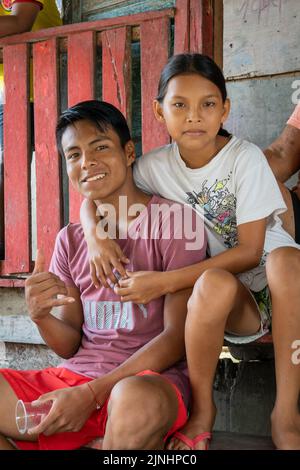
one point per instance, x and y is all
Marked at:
(16, 160)
(81, 87)
(48, 184)
(201, 26)
(154, 55)
(182, 27)
(116, 69)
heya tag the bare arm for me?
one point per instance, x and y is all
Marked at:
(142, 287)
(283, 154)
(104, 253)
(246, 255)
(62, 334)
(20, 20)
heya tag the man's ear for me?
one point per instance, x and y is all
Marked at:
(130, 152)
(226, 110)
(158, 111)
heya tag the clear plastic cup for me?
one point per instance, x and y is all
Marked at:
(28, 415)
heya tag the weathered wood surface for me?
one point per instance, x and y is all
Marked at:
(116, 69)
(100, 25)
(48, 184)
(201, 27)
(16, 160)
(9, 282)
(182, 27)
(80, 40)
(154, 55)
(81, 87)
(261, 37)
(93, 9)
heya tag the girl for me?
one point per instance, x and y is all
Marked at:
(229, 183)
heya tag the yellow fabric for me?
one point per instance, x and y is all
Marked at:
(47, 17)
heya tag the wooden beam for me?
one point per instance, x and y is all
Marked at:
(182, 27)
(116, 69)
(154, 55)
(8, 282)
(201, 26)
(218, 32)
(16, 160)
(81, 87)
(100, 25)
(48, 184)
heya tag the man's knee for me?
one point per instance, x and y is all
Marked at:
(137, 408)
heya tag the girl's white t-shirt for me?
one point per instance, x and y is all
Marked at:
(237, 186)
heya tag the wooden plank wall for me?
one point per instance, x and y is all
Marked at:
(81, 49)
(16, 160)
(48, 182)
(261, 64)
(193, 31)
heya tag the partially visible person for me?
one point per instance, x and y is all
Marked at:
(123, 377)
(284, 158)
(19, 16)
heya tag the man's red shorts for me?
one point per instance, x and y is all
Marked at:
(28, 385)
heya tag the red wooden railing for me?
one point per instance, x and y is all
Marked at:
(79, 40)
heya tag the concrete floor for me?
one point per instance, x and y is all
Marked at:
(236, 441)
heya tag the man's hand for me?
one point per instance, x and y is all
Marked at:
(70, 409)
(42, 289)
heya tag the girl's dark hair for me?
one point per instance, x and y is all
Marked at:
(192, 64)
(103, 115)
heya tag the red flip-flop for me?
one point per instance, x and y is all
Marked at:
(191, 443)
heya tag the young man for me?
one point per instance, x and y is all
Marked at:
(123, 377)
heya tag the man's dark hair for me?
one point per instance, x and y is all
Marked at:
(103, 115)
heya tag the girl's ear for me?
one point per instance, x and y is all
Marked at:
(226, 110)
(158, 111)
(130, 152)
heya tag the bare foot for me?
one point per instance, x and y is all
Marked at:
(197, 424)
(285, 432)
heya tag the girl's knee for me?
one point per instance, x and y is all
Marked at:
(214, 284)
(213, 297)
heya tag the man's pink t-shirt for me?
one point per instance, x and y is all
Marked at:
(114, 330)
(294, 120)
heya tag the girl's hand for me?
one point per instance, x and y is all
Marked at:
(105, 255)
(70, 409)
(141, 287)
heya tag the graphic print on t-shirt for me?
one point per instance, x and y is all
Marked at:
(6, 4)
(219, 206)
(109, 315)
